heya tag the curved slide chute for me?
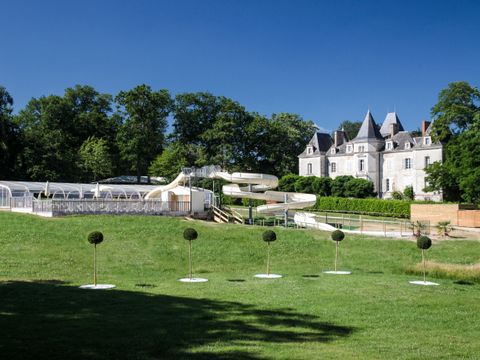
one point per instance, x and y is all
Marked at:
(255, 186)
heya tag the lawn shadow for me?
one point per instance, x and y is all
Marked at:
(48, 320)
(236, 280)
(311, 276)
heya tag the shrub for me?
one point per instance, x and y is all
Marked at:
(338, 185)
(408, 193)
(287, 182)
(255, 202)
(393, 208)
(322, 186)
(95, 237)
(304, 184)
(424, 242)
(190, 234)
(358, 188)
(338, 235)
(269, 236)
(397, 195)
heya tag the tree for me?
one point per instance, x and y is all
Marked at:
(9, 136)
(95, 238)
(359, 188)
(322, 186)
(143, 115)
(457, 125)
(170, 162)
(351, 128)
(408, 193)
(190, 234)
(337, 236)
(95, 158)
(269, 236)
(424, 243)
(304, 184)
(444, 228)
(55, 127)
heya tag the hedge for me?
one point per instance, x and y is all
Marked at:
(371, 206)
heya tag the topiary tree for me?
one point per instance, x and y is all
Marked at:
(337, 236)
(190, 234)
(269, 236)
(95, 238)
(444, 228)
(424, 243)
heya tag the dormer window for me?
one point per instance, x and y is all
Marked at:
(309, 150)
(333, 151)
(361, 148)
(349, 148)
(427, 140)
(389, 145)
(407, 145)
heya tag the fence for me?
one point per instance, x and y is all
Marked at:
(59, 207)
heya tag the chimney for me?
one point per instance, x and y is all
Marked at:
(393, 130)
(338, 138)
(425, 125)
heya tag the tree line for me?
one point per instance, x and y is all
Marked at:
(85, 135)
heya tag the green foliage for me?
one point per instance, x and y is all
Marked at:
(322, 186)
(397, 195)
(143, 115)
(9, 136)
(393, 208)
(95, 158)
(269, 236)
(457, 124)
(304, 184)
(337, 235)
(351, 128)
(444, 228)
(408, 193)
(170, 162)
(287, 182)
(95, 237)
(190, 234)
(424, 242)
(348, 186)
(255, 202)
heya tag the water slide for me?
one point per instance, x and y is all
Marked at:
(255, 186)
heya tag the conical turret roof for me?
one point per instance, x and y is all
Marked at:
(368, 130)
(391, 118)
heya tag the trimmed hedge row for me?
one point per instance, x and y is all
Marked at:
(393, 208)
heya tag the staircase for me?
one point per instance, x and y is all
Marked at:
(226, 215)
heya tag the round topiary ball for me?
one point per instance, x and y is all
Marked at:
(95, 237)
(269, 236)
(338, 235)
(424, 242)
(190, 234)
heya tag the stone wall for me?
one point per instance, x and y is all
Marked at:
(434, 213)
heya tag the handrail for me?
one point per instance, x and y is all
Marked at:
(220, 213)
(235, 214)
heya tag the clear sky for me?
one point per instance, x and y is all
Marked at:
(325, 60)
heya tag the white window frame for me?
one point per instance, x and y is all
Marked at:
(427, 140)
(387, 185)
(389, 145)
(333, 151)
(309, 169)
(407, 145)
(427, 161)
(361, 165)
(349, 148)
(309, 150)
(407, 163)
(333, 167)
(361, 148)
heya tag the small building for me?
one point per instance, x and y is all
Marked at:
(388, 156)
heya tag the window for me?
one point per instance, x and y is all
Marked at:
(361, 148)
(333, 167)
(407, 145)
(389, 145)
(361, 165)
(309, 150)
(349, 148)
(427, 141)
(427, 161)
(408, 163)
(309, 169)
(387, 185)
(333, 151)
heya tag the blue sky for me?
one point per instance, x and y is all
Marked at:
(327, 61)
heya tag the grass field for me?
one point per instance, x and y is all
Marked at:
(372, 314)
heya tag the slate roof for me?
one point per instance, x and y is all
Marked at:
(368, 130)
(391, 118)
(320, 142)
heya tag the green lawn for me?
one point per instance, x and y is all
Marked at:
(372, 314)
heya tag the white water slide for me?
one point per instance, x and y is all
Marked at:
(255, 186)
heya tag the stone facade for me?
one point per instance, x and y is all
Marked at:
(388, 156)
